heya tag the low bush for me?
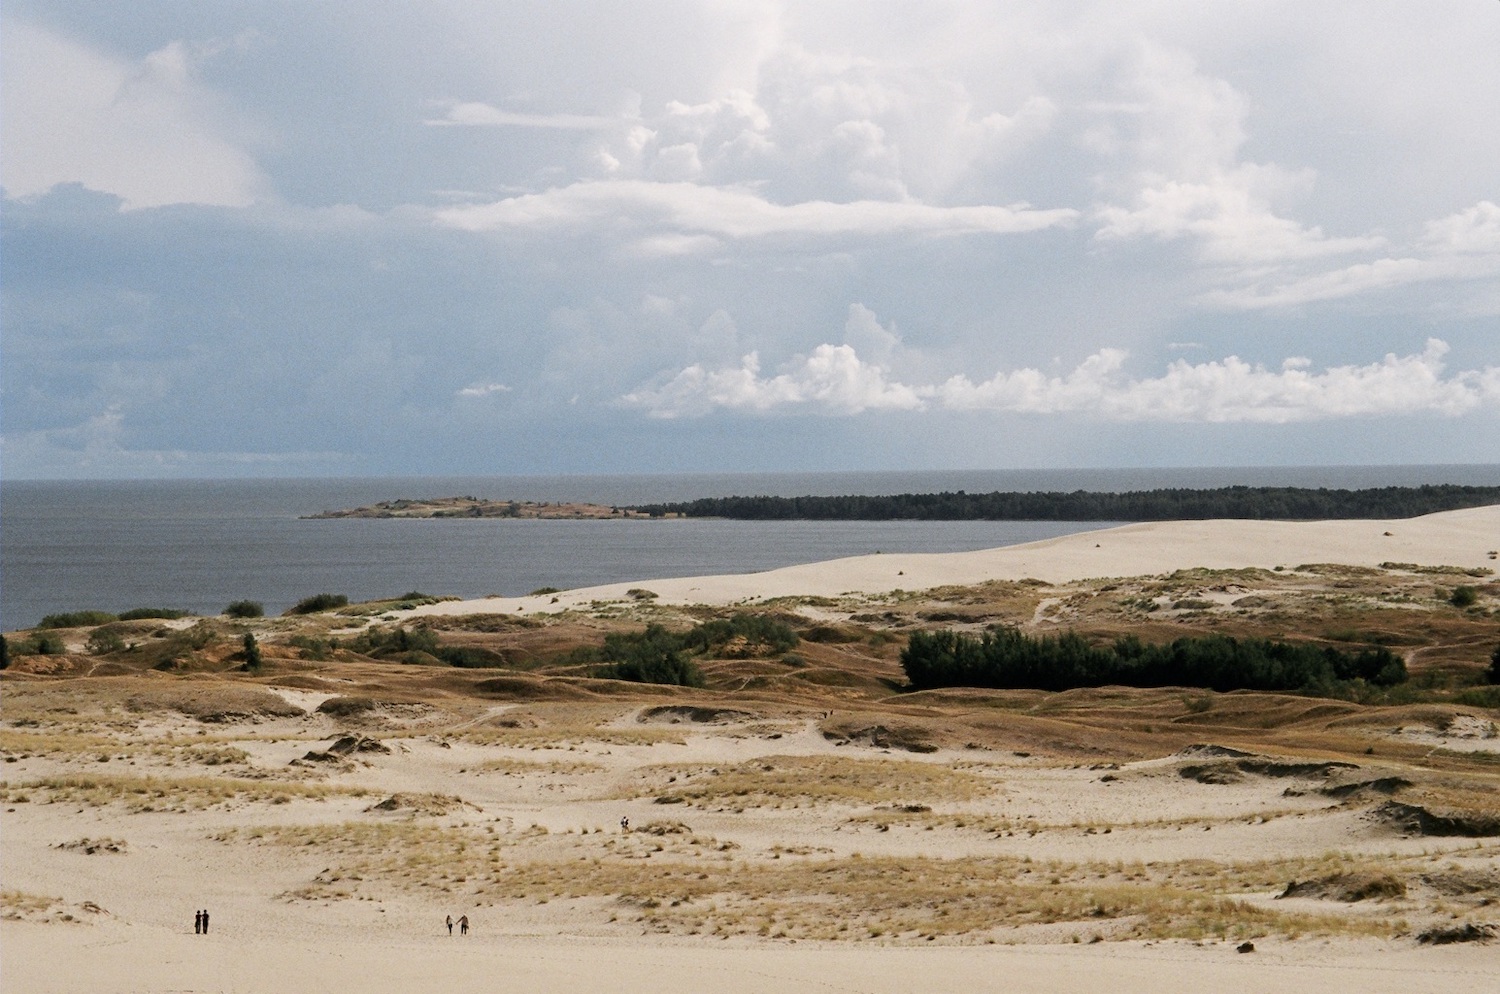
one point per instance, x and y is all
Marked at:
(77, 619)
(104, 640)
(1463, 596)
(318, 602)
(761, 635)
(142, 613)
(652, 656)
(315, 649)
(390, 642)
(40, 644)
(245, 609)
(1493, 673)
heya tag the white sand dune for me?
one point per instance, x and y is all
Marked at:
(1454, 538)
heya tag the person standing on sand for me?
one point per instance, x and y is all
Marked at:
(449, 923)
(625, 823)
(463, 925)
(205, 921)
(197, 922)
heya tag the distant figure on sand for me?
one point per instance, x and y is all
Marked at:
(449, 923)
(463, 925)
(205, 921)
(197, 922)
(625, 823)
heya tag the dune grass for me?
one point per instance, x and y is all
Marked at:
(793, 781)
(680, 882)
(141, 794)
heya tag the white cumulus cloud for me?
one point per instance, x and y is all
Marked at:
(833, 379)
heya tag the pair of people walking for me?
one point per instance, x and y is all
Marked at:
(200, 922)
(463, 924)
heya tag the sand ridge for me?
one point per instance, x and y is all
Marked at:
(1467, 538)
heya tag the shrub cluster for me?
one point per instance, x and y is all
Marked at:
(77, 619)
(245, 609)
(143, 613)
(318, 602)
(39, 644)
(658, 655)
(1006, 658)
(655, 655)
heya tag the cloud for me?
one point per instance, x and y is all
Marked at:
(99, 447)
(1172, 143)
(146, 131)
(472, 114)
(834, 380)
(1460, 247)
(483, 390)
(1231, 221)
(737, 213)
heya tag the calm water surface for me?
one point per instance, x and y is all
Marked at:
(200, 544)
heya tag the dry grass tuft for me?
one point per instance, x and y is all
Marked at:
(793, 781)
(173, 794)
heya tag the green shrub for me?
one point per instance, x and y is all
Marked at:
(1493, 673)
(142, 613)
(200, 636)
(391, 642)
(315, 649)
(251, 649)
(77, 619)
(245, 609)
(762, 635)
(470, 657)
(1463, 597)
(652, 656)
(318, 602)
(41, 644)
(4, 653)
(1480, 697)
(541, 591)
(104, 640)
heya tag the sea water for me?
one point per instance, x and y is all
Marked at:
(197, 545)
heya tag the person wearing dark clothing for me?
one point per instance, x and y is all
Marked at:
(197, 922)
(463, 925)
(205, 921)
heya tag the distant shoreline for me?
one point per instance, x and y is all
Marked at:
(1175, 504)
(476, 507)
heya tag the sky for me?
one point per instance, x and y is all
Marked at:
(372, 238)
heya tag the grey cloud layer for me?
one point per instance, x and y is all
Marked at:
(477, 237)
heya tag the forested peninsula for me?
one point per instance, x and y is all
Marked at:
(1265, 503)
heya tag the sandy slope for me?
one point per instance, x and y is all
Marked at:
(1454, 538)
